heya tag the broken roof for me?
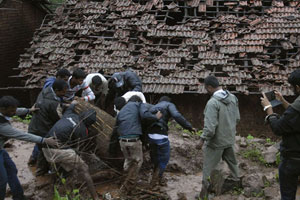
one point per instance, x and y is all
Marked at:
(251, 45)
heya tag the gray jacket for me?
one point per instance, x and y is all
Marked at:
(7, 131)
(221, 116)
(49, 113)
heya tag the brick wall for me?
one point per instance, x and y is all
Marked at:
(19, 19)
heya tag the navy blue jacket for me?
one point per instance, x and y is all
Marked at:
(168, 110)
(131, 81)
(72, 127)
(130, 118)
(287, 126)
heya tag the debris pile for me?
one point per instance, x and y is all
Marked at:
(172, 45)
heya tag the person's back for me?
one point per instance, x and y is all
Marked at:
(128, 120)
(47, 116)
(72, 127)
(133, 82)
(158, 136)
(168, 110)
(223, 106)
(49, 82)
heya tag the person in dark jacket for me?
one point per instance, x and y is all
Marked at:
(288, 127)
(158, 136)
(129, 128)
(8, 170)
(71, 130)
(50, 111)
(126, 81)
(61, 74)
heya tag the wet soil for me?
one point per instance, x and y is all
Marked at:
(183, 173)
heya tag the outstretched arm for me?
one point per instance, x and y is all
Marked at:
(179, 118)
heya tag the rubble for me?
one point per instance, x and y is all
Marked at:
(172, 45)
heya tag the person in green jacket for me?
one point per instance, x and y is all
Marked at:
(221, 116)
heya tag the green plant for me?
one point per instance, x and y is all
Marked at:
(177, 126)
(70, 196)
(199, 132)
(26, 119)
(186, 131)
(205, 198)
(237, 191)
(259, 194)
(254, 155)
(267, 183)
(277, 177)
(269, 141)
(278, 158)
(250, 137)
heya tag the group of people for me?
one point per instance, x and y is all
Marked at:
(58, 129)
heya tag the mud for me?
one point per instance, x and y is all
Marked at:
(183, 174)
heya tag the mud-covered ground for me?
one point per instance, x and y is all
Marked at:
(183, 173)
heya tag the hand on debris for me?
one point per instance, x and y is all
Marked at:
(200, 144)
(78, 98)
(278, 95)
(74, 102)
(158, 115)
(51, 142)
(264, 100)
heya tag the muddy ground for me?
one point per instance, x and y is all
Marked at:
(183, 173)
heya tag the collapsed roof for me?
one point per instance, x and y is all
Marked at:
(251, 45)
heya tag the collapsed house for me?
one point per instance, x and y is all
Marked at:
(250, 45)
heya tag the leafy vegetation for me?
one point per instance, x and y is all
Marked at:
(269, 141)
(25, 120)
(278, 159)
(250, 137)
(254, 155)
(74, 196)
(237, 191)
(259, 194)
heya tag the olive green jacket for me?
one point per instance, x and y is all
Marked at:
(221, 116)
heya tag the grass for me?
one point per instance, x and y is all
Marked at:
(255, 155)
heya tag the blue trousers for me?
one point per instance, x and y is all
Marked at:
(160, 153)
(289, 171)
(8, 174)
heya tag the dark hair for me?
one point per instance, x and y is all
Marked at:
(59, 85)
(119, 102)
(135, 98)
(165, 98)
(96, 80)
(294, 78)
(63, 73)
(212, 81)
(8, 101)
(79, 74)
